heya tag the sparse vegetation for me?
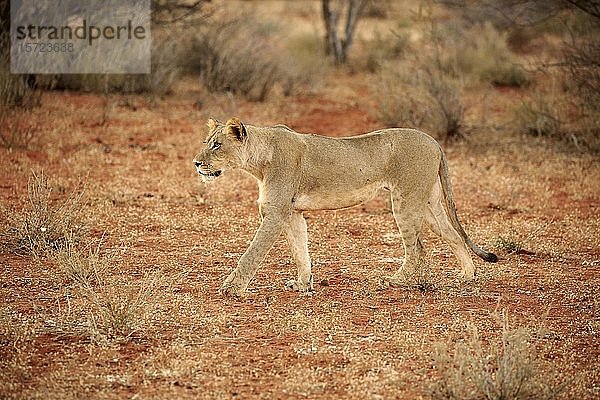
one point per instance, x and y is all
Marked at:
(538, 116)
(119, 307)
(14, 89)
(506, 369)
(17, 131)
(428, 82)
(381, 49)
(231, 59)
(423, 98)
(483, 52)
(164, 71)
(82, 266)
(104, 304)
(302, 63)
(46, 224)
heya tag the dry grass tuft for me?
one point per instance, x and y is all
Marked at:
(484, 53)
(17, 131)
(81, 266)
(103, 305)
(120, 308)
(47, 224)
(504, 369)
(510, 245)
(231, 56)
(428, 99)
(538, 116)
(15, 336)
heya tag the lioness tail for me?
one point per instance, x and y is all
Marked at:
(451, 210)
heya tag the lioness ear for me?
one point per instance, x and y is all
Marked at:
(212, 124)
(235, 127)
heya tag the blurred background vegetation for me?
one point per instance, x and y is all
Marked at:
(420, 59)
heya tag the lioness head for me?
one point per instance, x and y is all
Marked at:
(222, 148)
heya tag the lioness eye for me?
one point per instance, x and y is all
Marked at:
(215, 146)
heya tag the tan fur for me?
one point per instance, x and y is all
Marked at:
(298, 172)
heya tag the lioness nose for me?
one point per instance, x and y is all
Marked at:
(197, 164)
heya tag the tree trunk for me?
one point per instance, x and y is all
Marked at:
(336, 46)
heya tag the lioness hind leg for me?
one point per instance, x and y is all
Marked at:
(409, 219)
(439, 222)
(297, 238)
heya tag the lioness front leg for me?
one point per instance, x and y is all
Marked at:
(297, 238)
(270, 228)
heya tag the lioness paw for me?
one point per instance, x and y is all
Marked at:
(299, 286)
(394, 281)
(232, 286)
(227, 289)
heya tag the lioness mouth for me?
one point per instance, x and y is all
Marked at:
(210, 174)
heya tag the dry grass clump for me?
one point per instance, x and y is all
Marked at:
(301, 63)
(508, 244)
(538, 116)
(426, 89)
(104, 305)
(423, 97)
(504, 369)
(483, 52)
(245, 55)
(430, 91)
(119, 308)
(581, 56)
(232, 55)
(15, 91)
(17, 131)
(380, 49)
(82, 266)
(46, 224)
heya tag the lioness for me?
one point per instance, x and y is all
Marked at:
(298, 172)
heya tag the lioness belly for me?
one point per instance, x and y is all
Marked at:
(335, 198)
